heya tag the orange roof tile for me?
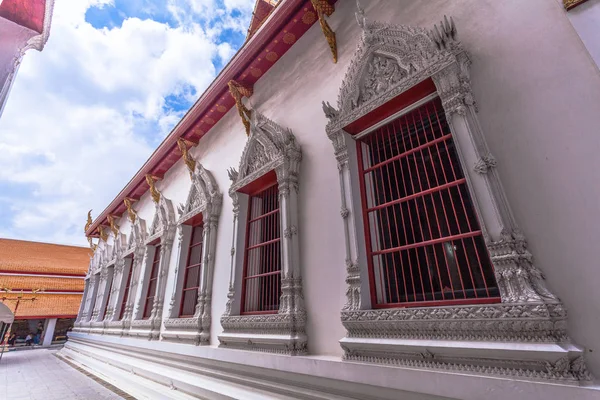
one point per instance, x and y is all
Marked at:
(34, 257)
(45, 305)
(15, 282)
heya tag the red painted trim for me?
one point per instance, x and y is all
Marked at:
(260, 184)
(187, 268)
(3, 271)
(398, 103)
(366, 226)
(46, 316)
(486, 300)
(250, 51)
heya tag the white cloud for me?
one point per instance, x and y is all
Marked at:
(85, 114)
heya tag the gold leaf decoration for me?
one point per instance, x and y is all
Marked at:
(151, 181)
(187, 158)
(130, 211)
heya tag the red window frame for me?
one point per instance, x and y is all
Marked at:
(423, 238)
(112, 281)
(126, 291)
(261, 279)
(189, 269)
(152, 283)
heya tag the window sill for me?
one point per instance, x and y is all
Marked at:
(271, 333)
(186, 329)
(521, 340)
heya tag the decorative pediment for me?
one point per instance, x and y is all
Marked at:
(204, 196)
(118, 247)
(389, 60)
(268, 147)
(164, 220)
(138, 233)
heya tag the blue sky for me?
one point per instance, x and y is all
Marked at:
(86, 112)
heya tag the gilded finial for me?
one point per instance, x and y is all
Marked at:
(89, 221)
(324, 8)
(130, 211)
(113, 225)
(151, 180)
(102, 233)
(187, 158)
(238, 91)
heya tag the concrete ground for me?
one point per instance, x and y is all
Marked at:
(38, 374)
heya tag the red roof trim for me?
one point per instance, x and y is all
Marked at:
(242, 67)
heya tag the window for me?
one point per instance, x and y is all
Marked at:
(191, 280)
(424, 243)
(126, 292)
(112, 281)
(152, 283)
(94, 294)
(262, 266)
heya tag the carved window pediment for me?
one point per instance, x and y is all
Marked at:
(163, 224)
(389, 60)
(204, 196)
(268, 147)
(137, 236)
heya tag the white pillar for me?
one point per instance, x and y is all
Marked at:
(49, 332)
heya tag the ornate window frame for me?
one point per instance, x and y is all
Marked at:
(205, 199)
(132, 256)
(162, 230)
(270, 147)
(118, 262)
(524, 335)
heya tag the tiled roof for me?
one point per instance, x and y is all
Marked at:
(17, 282)
(34, 257)
(45, 305)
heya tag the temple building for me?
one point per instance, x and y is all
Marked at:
(380, 200)
(24, 25)
(42, 285)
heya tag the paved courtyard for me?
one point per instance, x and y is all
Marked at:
(38, 374)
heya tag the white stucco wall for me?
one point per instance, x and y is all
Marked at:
(538, 94)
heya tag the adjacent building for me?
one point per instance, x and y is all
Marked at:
(42, 285)
(393, 200)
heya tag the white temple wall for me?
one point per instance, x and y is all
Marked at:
(538, 94)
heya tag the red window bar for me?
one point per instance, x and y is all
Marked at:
(261, 287)
(126, 293)
(191, 280)
(152, 284)
(424, 242)
(112, 281)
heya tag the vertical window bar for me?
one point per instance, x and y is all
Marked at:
(423, 152)
(126, 291)
(262, 271)
(152, 284)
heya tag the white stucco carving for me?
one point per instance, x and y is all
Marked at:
(269, 147)
(162, 231)
(389, 60)
(204, 198)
